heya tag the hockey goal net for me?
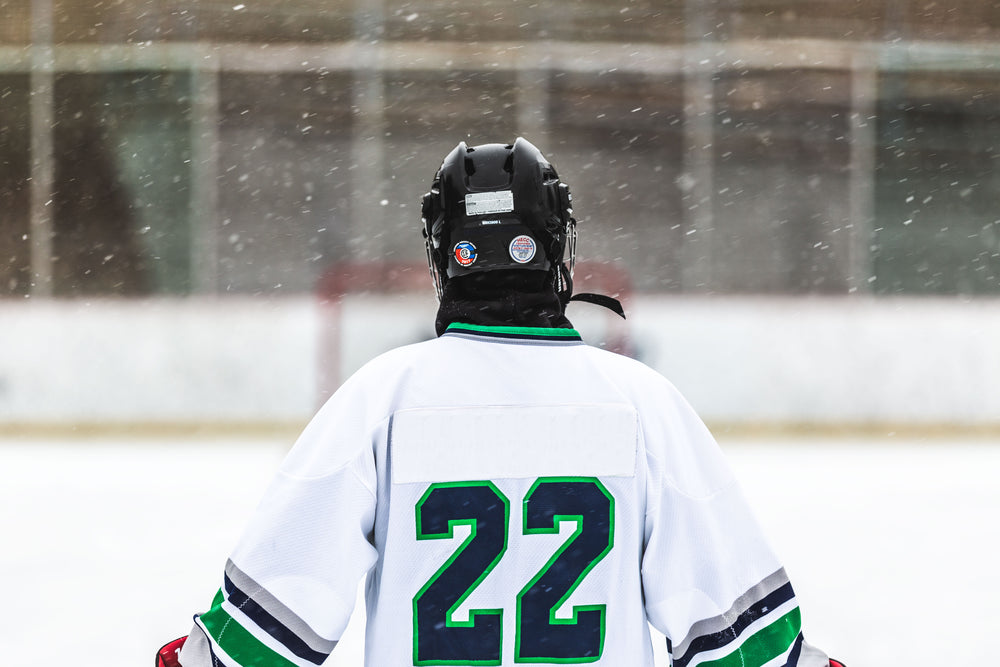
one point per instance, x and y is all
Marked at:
(368, 308)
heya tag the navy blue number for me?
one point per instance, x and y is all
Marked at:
(437, 639)
(541, 637)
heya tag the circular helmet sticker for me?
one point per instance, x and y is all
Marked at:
(522, 249)
(465, 253)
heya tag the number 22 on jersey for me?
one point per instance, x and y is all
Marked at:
(438, 639)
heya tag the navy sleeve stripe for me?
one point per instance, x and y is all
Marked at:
(715, 640)
(793, 655)
(274, 618)
(715, 624)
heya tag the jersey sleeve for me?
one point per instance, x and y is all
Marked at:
(290, 584)
(711, 582)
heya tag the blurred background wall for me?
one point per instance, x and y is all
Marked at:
(800, 198)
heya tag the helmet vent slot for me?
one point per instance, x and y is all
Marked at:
(508, 164)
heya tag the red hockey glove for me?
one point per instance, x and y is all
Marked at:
(836, 663)
(167, 656)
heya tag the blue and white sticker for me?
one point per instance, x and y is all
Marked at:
(465, 253)
(522, 249)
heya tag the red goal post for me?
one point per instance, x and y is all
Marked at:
(366, 308)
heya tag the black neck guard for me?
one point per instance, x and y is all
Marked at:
(502, 298)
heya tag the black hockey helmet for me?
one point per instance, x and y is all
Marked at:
(499, 207)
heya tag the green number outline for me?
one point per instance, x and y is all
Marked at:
(473, 613)
(557, 519)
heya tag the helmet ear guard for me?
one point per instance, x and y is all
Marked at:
(430, 214)
(569, 223)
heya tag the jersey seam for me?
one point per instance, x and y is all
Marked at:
(318, 478)
(670, 482)
(348, 463)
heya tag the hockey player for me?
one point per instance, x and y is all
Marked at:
(512, 494)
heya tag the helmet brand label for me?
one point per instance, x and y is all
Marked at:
(488, 203)
(522, 249)
(465, 253)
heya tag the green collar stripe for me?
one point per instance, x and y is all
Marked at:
(532, 332)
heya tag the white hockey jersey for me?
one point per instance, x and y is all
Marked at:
(513, 496)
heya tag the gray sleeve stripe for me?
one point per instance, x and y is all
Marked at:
(289, 619)
(716, 624)
(196, 651)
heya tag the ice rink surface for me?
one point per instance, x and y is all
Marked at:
(110, 545)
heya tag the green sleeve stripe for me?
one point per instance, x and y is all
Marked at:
(765, 645)
(238, 642)
(219, 597)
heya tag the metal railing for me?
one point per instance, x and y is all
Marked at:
(695, 62)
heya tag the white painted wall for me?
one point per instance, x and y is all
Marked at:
(221, 360)
(828, 360)
(738, 360)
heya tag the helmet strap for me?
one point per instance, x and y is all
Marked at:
(611, 303)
